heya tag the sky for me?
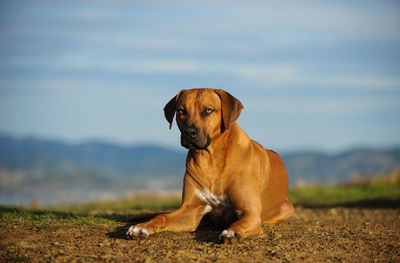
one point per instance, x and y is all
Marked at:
(319, 75)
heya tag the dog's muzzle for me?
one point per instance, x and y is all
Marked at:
(192, 138)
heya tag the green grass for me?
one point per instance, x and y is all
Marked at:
(144, 202)
(317, 195)
(344, 194)
(108, 213)
(46, 218)
(91, 214)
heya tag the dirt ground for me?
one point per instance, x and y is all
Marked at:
(334, 234)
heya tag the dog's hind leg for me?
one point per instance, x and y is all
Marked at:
(285, 212)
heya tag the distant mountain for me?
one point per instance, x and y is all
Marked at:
(113, 159)
(312, 167)
(55, 172)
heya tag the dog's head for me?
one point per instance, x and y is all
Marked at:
(202, 115)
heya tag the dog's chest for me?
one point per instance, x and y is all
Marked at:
(218, 207)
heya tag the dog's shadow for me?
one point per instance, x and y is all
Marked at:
(206, 232)
(120, 232)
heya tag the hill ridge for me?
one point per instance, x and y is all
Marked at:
(30, 165)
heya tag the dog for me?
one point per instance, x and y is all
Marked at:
(234, 180)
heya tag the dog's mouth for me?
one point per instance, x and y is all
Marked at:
(193, 145)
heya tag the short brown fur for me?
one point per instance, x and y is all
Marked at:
(253, 178)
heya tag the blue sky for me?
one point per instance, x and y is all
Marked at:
(311, 75)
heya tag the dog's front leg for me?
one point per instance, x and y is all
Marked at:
(185, 219)
(248, 225)
(248, 208)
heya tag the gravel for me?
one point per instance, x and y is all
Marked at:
(312, 235)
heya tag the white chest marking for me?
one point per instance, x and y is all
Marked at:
(214, 203)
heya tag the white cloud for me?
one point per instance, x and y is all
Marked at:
(357, 81)
(277, 24)
(92, 13)
(271, 75)
(279, 75)
(321, 105)
(338, 21)
(282, 75)
(151, 66)
(164, 66)
(82, 62)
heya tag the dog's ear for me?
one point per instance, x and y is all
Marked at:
(170, 108)
(231, 108)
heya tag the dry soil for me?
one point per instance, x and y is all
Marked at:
(334, 234)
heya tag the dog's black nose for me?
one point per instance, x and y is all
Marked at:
(190, 131)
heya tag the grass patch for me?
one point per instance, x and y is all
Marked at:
(92, 214)
(344, 194)
(108, 213)
(144, 202)
(47, 217)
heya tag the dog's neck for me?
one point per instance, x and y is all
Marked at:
(213, 159)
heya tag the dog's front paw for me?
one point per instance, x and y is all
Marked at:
(137, 231)
(230, 237)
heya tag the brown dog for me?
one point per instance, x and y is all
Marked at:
(228, 176)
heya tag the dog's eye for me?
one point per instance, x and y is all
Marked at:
(181, 112)
(209, 111)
